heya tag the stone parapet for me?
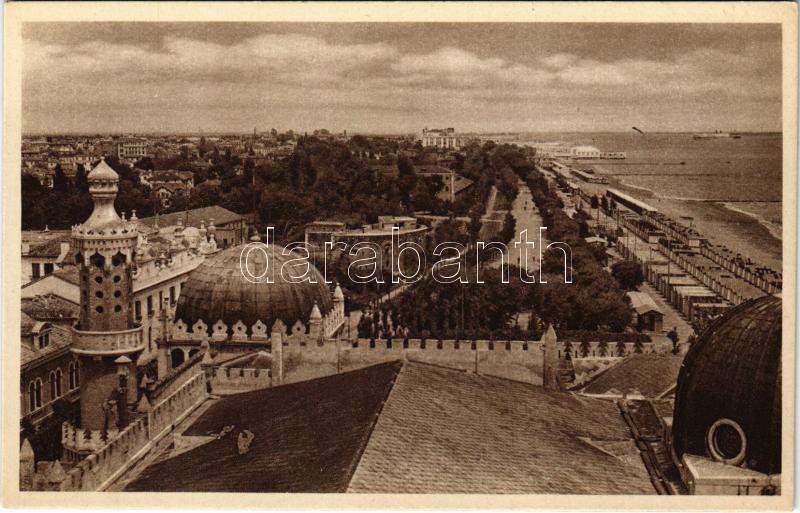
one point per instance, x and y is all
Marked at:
(107, 343)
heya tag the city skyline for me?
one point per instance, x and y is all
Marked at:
(398, 78)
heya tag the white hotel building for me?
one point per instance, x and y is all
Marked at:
(444, 138)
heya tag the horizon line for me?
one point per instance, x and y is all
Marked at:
(378, 133)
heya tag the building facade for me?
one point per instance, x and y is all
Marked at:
(49, 370)
(131, 149)
(443, 138)
(378, 236)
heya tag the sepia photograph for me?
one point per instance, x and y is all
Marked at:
(493, 256)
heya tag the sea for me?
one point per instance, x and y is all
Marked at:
(729, 189)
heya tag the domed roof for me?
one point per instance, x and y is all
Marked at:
(728, 398)
(217, 289)
(102, 171)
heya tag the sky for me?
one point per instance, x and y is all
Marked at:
(98, 77)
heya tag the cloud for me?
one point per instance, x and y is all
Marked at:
(306, 74)
(458, 69)
(302, 56)
(447, 60)
(559, 60)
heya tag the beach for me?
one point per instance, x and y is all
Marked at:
(730, 188)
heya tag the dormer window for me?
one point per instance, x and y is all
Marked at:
(44, 339)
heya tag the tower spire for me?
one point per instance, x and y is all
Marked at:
(103, 187)
(105, 247)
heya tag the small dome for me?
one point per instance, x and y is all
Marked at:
(102, 171)
(217, 289)
(728, 397)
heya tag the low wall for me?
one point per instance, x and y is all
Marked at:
(232, 380)
(513, 359)
(94, 471)
(611, 349)
(171, 410)
(176, 378)
(101, 468)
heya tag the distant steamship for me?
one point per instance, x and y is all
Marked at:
(717, 134)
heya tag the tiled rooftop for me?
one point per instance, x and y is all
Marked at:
(447, 431)
(52, 247)
(220, 215)
(308, 438)
(60, 340)
(643, 303)
(49, 307)
(408, 428)
(648, 374)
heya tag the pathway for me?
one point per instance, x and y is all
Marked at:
(527, 218)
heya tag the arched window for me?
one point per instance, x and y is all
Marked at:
(58, 382)
(73, 375)
(35, 394)
(118, 259)
(98, 260)
(31, 396)
(53, 388)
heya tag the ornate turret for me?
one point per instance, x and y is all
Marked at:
(315, 323)
(315, 313)
(550, 363)
(105, 248)
(338, 316)
(276, 341)
(27, 465)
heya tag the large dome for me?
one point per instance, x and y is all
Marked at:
(218, 290)
(728, 398)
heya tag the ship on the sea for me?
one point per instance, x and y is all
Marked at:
(717, 134)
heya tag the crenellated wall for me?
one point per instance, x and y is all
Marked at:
(297, 354)
(164, 415)
(511, 359)
(111, 459)
(232, 380)
(308, 355)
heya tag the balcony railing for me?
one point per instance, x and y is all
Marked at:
(107, 342)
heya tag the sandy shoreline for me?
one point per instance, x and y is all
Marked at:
(742, 232)
(775, 229)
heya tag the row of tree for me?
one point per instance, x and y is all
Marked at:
(594, 300)
(69, 202)
(456, 310)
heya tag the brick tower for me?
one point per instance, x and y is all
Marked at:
(106, 338)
